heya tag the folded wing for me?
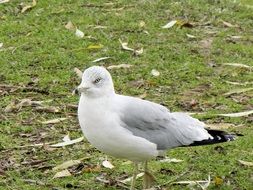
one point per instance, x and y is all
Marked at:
(156, 124)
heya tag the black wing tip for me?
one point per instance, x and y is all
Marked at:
(229, 137)
(218, 137)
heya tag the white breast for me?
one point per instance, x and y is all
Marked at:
(101, 126)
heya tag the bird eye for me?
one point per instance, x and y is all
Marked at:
(97, 80)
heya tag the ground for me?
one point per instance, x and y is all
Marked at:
(38, 55)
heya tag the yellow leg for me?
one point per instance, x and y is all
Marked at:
(148, 177)
(134, 176)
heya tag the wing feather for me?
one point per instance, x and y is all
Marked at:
(158, 125)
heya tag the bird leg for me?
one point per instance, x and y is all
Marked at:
(134, 176)
(148, 177)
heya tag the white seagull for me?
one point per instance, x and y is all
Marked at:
(132, 128)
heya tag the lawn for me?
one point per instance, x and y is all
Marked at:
(202, 64)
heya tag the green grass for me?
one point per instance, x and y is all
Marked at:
(36, 45)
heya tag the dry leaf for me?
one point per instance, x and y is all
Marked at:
(100, 59)
(238, 65)
(48, 109)
(107, 164)
(227, 24)
(31, 162)
(238, 83)
(66, 138)
(203, 184)
(218, 180)
(195, 113)
(78, 73)
(142, 24)
(155, 73)
(190, 36)
(245, 163)
(54, 121)
(236, 37)
(79, 33)
(100, 27)
(187, 182)
(130, 178)
(29, 102)
(10, 107)
(173, 160)
(102, 179)
(239, 114)
(237, 91)
(146, 32)
(62, 173)
(138, 52)
(92, 168)
(4, 1)
(220, 126)
(125, 47)
(99, 46)
(119, 66)
(70, 26)
(170, 24)
(69, 142)
(14, 106)
(66, 165)
(28, 7)
(72, 106)
(206, 184)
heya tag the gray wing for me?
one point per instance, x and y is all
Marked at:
(156, 124)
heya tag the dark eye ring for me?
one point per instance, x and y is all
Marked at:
(97, 80)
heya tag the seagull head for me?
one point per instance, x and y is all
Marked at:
(96, 82)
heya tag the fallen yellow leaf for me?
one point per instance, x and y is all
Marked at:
(218, 180)
(99, 46)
